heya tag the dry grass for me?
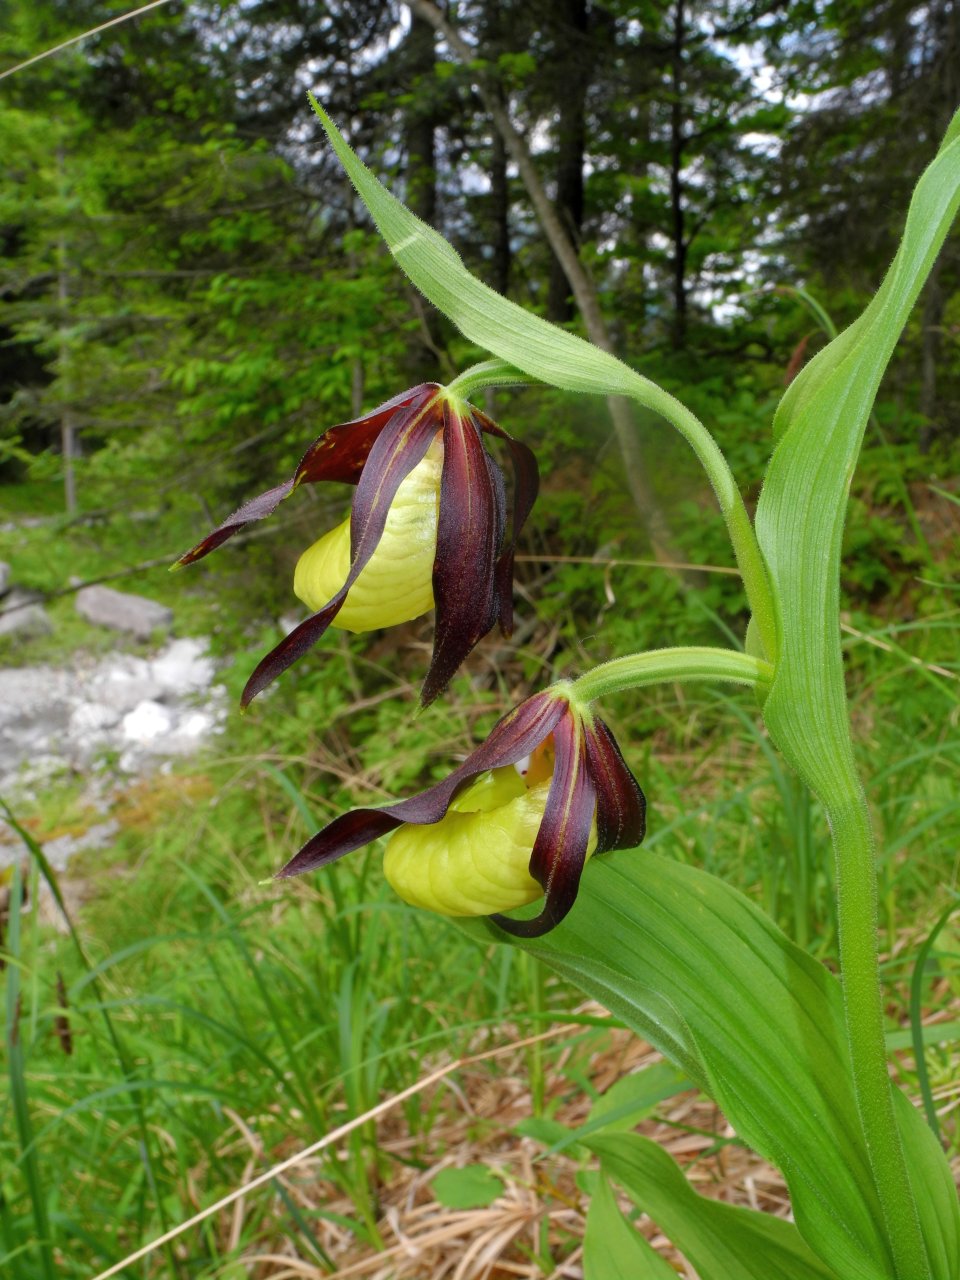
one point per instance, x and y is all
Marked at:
(541, 1212)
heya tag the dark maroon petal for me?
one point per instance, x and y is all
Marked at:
(526, 486)
(621, 807)
(512, 738)
(469, 537)
(400, 446)
(560, 850)
(348, 832)
(339, 454)
(255, 509)
(293, 646)
(499, 492)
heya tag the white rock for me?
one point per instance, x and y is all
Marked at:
(27, 693)
(123, 690)
(132, 761)
(51, 719)
(146, 722)
(196, 724)
(183, 667)
(91, 717)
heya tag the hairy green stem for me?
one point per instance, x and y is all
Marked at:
(491, 373)
(665, 666)
(863, 1009)
(746, 549)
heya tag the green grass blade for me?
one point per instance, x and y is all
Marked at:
(29, 1161)
(13, 1258)
(271, 1004)
(339, 925)
(126, 1065)
(916, 1019)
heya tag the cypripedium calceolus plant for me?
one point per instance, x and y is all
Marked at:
(426, 530)
(795, 1058)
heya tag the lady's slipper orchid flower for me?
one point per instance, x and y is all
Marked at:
(426, 530)
(517, 819)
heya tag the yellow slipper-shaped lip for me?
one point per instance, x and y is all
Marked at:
(483, 841)
(443, 536)
(396, 583)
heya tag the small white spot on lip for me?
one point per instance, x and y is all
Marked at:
(523, 766)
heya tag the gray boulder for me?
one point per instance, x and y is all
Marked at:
(121, 611)
(21, 615)
(4, 577)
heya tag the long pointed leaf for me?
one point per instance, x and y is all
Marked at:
(722, 1241)
(801, 512)
(492, 321)
(707, 977)
(29, 1160)
(612, 1250)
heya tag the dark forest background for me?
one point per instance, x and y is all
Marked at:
(190, 291)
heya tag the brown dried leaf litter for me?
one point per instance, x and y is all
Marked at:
(540, 1216)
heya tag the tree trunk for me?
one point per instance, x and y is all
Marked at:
(575, 71)
(500, 208)
(677, 140)
(420, 127)
(584, 291)
(501, 259)
(68, 426)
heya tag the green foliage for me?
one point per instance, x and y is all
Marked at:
(237, 1000)
(720, 1240)
(184, 282)
(800, 517)
(612, 1250)
(472, 1187)
(752, 1019)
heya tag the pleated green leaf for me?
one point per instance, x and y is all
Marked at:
(612, 1249)
(699, 971)
(532, 345)
(800, 516)
(722, 1241)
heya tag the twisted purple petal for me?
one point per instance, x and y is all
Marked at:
(400, 446)
(526, 486)
(512, 738)
(339, 454)
(469, 537)
(560, 849)
(621, 807)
